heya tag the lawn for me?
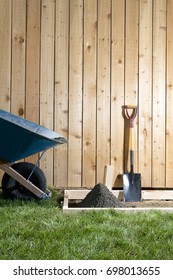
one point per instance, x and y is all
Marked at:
(39, 230)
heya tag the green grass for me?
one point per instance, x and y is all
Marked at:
(39, 230)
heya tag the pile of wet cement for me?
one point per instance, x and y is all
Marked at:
(100, 197)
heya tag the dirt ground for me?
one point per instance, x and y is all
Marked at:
(151, 203)
(141, 204)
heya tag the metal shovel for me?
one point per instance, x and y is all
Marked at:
(131, 180)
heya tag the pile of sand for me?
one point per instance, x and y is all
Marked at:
(100, 197)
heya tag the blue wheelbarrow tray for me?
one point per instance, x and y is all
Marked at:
(21, 138)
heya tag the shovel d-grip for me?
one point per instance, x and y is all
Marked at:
(131, 117)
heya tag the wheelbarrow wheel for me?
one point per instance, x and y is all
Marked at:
(14, 190)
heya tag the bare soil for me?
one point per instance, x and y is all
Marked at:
(151, 204)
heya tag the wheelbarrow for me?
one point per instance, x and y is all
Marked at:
(20, 138)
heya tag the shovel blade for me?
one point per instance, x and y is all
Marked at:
(132, 187)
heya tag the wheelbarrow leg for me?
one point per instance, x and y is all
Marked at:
(40, 157)
(24, 182)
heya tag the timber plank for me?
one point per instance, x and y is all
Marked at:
(159, 71)
(33, 64)
(169, 100)
(75, 94)
(145, 92)
(5, 54)
(18, 57)
(89, 96)
(131, 74)
(103, 87)
(61, 90)
(117, 89)
(47, 79)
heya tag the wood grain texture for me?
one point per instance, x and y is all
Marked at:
(75, 94)
(169, 98)
(145, 92)
(5, 54)
(103, 87)
(131, 74)
(18, 57)
(61, 90)
(89, 96)
(33, 64)
(5, 57)
(47, 78)
(117, 88)
(159, 72)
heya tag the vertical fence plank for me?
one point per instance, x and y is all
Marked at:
(145, 91)
(117, 87)
(47, 79)
(103, 87)
(61, 90)
(89, 97)
(75, 94)
(131, 52)
(131, 72)
(18, 57)
(33, 64)
(159, 60)
(5, 56)
(5, 53)
(169, 101)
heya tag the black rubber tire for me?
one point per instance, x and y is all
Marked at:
(14, 190)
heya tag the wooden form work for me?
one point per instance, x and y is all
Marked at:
(146, 195)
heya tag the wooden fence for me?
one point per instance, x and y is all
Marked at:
(71, 65)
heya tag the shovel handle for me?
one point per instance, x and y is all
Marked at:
(132, 159)
(131, 138)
